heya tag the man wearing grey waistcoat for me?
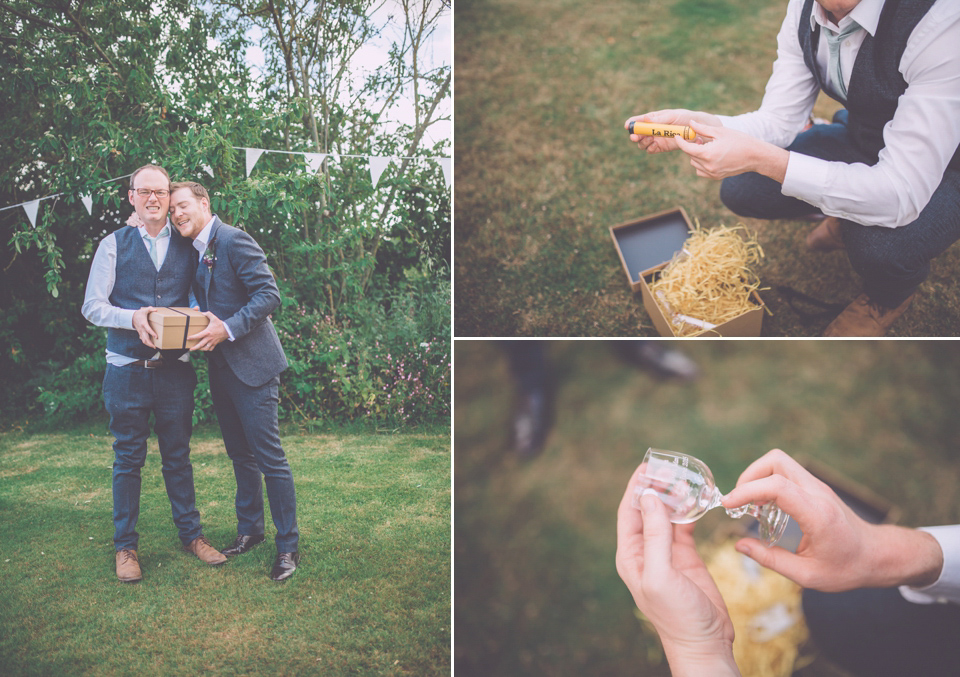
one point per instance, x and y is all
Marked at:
(884, 176)
(133, 270)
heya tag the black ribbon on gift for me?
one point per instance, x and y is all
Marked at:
(186, 327)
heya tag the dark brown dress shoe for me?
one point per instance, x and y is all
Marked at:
(826, 237)
(863, 317)
(284, 566)
(242, 545)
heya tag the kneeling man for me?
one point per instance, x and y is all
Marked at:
(235, 289)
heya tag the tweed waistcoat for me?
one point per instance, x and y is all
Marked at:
(138, 283)
(876, 83)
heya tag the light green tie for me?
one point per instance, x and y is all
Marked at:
(152, 244)
(834, 40)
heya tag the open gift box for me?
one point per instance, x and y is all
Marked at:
(646, 245)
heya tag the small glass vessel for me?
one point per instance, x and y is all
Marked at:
(686, 486)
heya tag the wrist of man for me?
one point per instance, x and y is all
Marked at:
(125, 318)
(771, 161)
(905, 557)
(697, 659)
(139, 315)
(708, 119)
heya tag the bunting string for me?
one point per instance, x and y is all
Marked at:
(314, 162)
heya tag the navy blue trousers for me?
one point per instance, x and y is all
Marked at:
(130, 394)
(251, 434)
(874, 632)
(892, 262)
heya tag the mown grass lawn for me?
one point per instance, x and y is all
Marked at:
(371, 597)
(537, 591)
(544, 167)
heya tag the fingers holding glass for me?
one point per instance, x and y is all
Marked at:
(686, 486)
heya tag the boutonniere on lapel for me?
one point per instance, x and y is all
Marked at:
(210, 254)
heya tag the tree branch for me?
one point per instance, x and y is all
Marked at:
(411, 149)
(35, 20)
(83, 29)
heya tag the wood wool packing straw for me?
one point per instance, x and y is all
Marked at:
(710, 281)
(766, 611)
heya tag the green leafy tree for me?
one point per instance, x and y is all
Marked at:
(308, 47)
(92, 90)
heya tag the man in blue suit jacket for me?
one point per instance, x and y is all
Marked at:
(237, 292)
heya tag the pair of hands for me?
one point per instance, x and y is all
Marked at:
(208, 339)
(839, 551)
(717, 152)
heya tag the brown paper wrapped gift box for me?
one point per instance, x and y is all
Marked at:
(174, 325)
(646, 245)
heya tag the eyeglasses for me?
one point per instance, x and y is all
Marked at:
(144, 192)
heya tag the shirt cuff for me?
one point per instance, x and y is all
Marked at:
(229, 333)
(125, 318)
(805, 178)
(947, 586)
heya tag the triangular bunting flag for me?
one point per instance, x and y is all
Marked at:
(445, 166)
(377, 165)
(31, 209)
(87, 201)
(209, 171)
(253, 154)
(314, 161)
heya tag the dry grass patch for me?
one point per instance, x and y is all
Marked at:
(543, 165)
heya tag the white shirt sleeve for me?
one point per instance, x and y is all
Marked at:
(947, 587)
(919, 141)
(96, 299)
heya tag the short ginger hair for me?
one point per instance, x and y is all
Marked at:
(198, 190)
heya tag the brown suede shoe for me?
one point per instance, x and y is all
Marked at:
(826, 237)
(865, 318)
(128, 566)
(201, 547)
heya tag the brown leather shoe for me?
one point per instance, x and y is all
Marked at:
(201, 547)
(826, 237)
(128, 566)
(865, 318)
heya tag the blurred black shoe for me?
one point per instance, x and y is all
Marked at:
(530, 424)
(656, 357)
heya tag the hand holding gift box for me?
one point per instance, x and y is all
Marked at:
(215, 333)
